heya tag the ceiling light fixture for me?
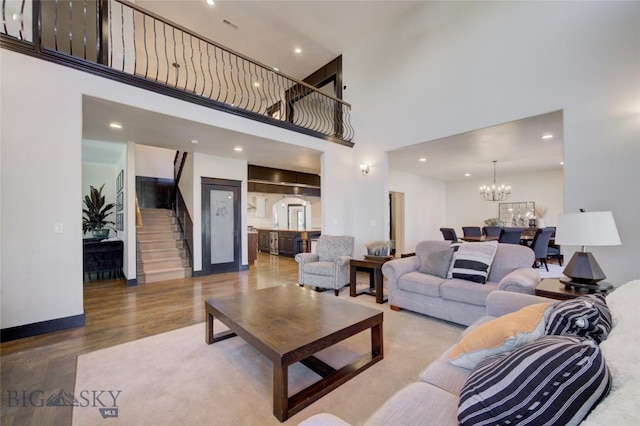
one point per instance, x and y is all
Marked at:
(364, 168)
(467, 174)
(422, 159)
(210, 2)
(298, 50)
(115, 125)
(494, 192)
(238, 149)
(547, 136)
(194, 141)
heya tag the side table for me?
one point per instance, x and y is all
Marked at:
(374, 267)
(554, 289)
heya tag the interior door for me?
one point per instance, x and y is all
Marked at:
(220, 225)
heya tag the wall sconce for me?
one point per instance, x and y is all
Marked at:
(364, 168)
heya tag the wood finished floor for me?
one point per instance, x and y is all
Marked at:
(116, 314)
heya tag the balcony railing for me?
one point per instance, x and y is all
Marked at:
(124, 42)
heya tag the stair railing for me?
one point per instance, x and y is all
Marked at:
(122, 41)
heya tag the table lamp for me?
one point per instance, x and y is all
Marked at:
(586, 229)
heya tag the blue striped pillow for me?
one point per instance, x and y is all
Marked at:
(554, 380)
(586, 315)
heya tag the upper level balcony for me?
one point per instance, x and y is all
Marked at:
(121, 41)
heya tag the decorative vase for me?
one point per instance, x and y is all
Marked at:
(100, 233)
(541, 222)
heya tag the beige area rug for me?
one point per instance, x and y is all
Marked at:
(175, 378)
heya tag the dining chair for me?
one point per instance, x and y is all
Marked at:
(553, 250)
(540, 244)
(510, 235)
(471, 231)
(491, 231)
(449, 234)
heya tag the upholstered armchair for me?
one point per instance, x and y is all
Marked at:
(328, 267)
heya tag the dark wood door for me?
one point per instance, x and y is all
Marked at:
(221, 233)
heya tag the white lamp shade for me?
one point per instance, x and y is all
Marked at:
(587, 229)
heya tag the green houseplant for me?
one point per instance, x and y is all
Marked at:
(95, 213)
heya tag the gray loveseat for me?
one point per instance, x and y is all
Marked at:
(457, 300)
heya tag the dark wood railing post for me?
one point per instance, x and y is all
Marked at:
(36, 25)
(102, 31)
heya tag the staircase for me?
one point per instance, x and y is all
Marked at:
(161, 252)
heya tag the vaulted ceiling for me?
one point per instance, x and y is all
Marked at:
(269, 32)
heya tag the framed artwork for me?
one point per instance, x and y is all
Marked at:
(516, 214)
(120, 221)
(120, 202)
(120, 181)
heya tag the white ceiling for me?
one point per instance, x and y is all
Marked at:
(268, 31)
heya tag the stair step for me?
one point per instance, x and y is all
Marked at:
(159, 264)
(162, 275)
(163, 253)
(158, 244)
(157, 220)
(144, 236)
(156, 212)
(163, 227)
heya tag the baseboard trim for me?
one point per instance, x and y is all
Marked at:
(36, 328)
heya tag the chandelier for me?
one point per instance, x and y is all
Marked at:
(494, 192)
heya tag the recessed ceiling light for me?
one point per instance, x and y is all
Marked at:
(298, 50)
(562, 163)
(194, 141)
(422, 159)
(467, 174)
(238, 148)
(116, 125)
(547, 136)
(210, 2)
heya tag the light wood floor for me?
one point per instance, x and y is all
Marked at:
(116, 314)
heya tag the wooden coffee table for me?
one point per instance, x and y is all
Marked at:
(289, 324)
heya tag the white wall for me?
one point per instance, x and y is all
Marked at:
(41, 171)
(424, 207)
(464, 207)
(155, 162)
(451, 67)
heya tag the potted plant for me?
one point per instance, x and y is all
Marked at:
(492, 221)
(95, 214)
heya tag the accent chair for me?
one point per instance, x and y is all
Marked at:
(328, 267)
(553, 250)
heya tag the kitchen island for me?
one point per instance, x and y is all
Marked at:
(284, 242)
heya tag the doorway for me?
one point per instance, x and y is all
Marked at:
(296, 220)
(220, 225)
(396, 221)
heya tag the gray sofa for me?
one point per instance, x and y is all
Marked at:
(457, 300)
(433, 399)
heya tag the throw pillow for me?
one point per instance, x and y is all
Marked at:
(587, 316)
(472, 261)
(500, 335)
(437, 263)
(555, 380)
